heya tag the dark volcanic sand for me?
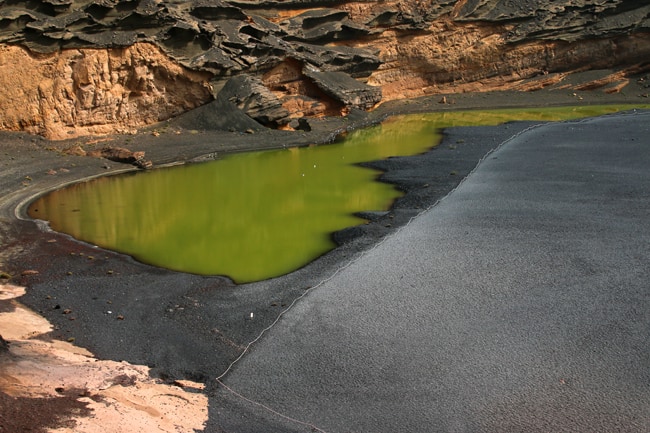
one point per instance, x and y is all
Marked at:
(193, 327)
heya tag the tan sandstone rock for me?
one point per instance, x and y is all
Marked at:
(94, 91)
(108, 396)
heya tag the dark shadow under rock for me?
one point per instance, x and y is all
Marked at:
(27, 414)
(218, 115)
(4, 346)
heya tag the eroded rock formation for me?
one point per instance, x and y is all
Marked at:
(94, 91)
(72, 67)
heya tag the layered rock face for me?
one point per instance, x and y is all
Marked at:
(72, 67)
(94, 91)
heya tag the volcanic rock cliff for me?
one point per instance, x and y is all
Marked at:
(75, 67)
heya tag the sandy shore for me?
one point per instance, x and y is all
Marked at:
(97, 338)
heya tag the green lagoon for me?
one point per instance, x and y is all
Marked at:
(258, 215)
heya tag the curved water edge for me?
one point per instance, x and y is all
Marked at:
(226, 217)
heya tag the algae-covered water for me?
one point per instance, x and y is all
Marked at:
(257, 215)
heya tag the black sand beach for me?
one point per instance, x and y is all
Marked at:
(192, 327)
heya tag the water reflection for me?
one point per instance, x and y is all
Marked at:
(249, 216)
(257, 215)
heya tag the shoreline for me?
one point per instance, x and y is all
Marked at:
(188, 327)
(161, 141)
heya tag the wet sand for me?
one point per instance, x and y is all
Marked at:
(185, 327)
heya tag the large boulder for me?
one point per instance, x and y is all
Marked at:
(340, 86)
(249, 94)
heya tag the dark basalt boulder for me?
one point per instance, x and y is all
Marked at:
(355, 62)
(342, 87)
(249, 94)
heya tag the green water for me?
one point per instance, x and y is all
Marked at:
(253, 216)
